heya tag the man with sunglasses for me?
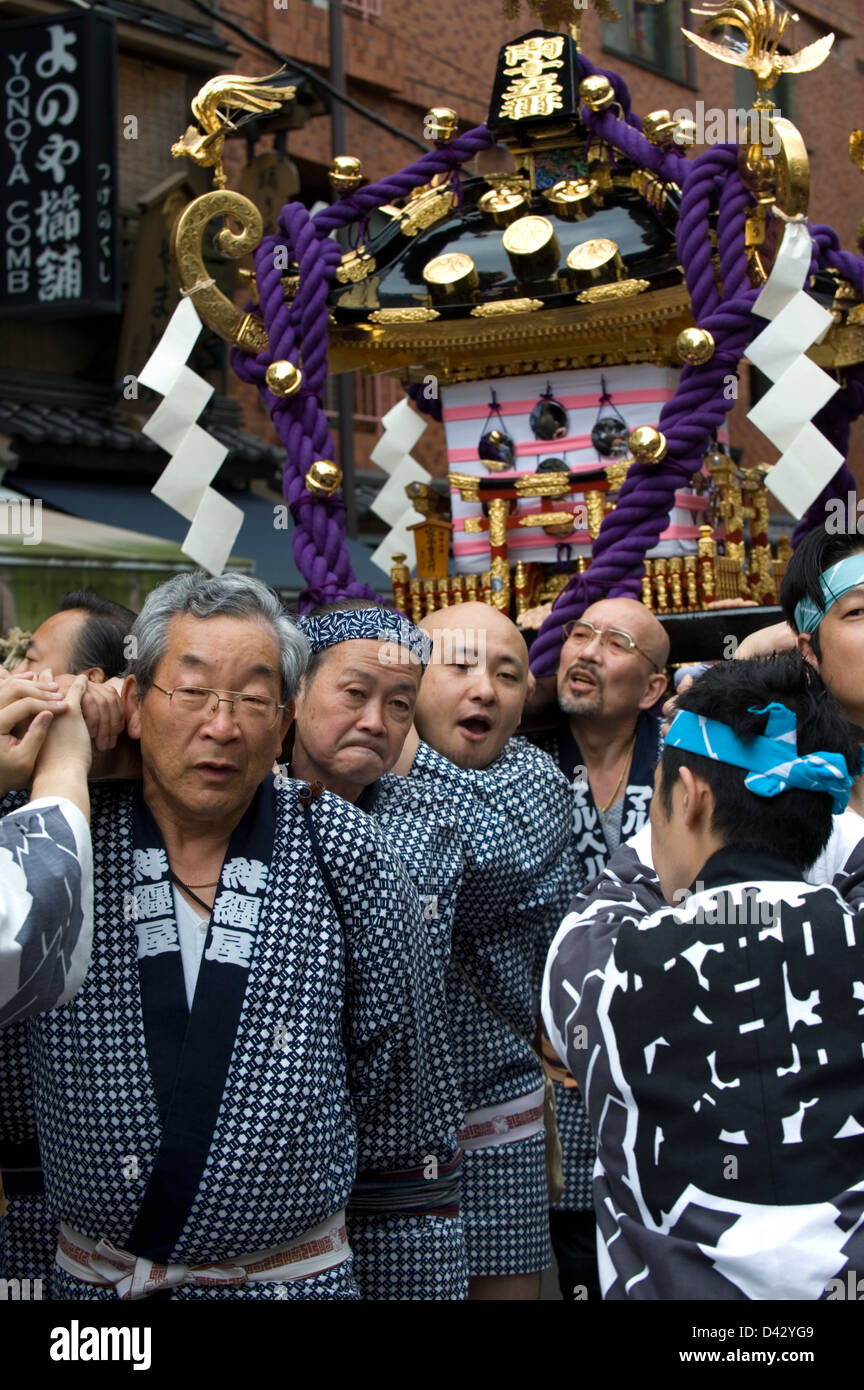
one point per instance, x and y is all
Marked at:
(262, 997)
(610, 676)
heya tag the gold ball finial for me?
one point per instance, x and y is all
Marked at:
(283, 378)
(346, 173)
(695, 346)
(685, 132)
(647, 445)
(659, 127)
(597, 93)
(323, 478)
(440, 124)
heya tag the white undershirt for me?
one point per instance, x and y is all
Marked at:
(192, 930)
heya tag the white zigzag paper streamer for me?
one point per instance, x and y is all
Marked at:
(785, 413)
(196, 456)
(402, 428)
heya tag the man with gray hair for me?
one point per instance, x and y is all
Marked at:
(253, 1025)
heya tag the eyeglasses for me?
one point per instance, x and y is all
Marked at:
(251, 711)
(620, 643)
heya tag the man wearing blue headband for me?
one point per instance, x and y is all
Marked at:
(822, 595)
(718, 1042)
(489, 853)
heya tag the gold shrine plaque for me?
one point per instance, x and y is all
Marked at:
(532, 247)
(451, 276)
(594, 260)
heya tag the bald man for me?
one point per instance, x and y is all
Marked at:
(468, 709)
(610, 676)
(473, 694)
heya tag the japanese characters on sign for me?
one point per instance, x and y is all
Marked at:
(535, 89)
(58, 166)
(536, 84)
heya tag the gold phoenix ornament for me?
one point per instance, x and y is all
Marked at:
(211, 108)
(763, 25)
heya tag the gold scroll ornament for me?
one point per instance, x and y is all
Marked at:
(218, 312)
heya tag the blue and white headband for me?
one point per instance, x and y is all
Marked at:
(772, 759)
(834, 582)
(366, 625)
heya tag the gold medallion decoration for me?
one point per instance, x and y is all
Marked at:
(532, 247)
(503, 205)
(595, 260)
(591, 255)
(574, 199)
(424, 208)
(528, 235)
(354, 268)
(497, 307)
(452, 276)
(616, 289)
(406, 315)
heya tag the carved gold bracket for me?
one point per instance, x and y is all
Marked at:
(214, 308)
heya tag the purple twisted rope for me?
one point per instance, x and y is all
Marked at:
(694, 412)
(318, 538)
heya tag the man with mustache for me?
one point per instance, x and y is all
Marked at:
(610, 675)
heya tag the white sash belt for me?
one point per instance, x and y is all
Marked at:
(133, 1276)
(503, 1124)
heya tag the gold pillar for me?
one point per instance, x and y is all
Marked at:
(416, 600)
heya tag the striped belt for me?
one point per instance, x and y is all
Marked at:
(503, 1124)
(132, 1276)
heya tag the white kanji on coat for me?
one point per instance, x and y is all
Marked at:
(230, 947)
(250, 874)
(150, 863)
(156, 937)
(152, 900)
(237, 910)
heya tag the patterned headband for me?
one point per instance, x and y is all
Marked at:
(772, 759)
(364, 625)
(834, 582)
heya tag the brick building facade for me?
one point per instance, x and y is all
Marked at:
(401, 57)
